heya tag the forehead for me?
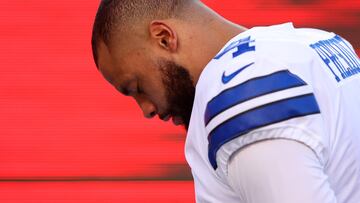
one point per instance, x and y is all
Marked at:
(105, 62)
(115, 63)
(120, 62)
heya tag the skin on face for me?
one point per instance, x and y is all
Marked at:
(133, 67)
(133, 75)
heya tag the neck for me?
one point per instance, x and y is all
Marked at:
(207, 39)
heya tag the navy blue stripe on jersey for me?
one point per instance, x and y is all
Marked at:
(250, 89)
(258, 117)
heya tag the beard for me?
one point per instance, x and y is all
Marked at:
(179, 90)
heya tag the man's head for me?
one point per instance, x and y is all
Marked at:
(155, 50)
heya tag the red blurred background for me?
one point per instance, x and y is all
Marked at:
(68, 136)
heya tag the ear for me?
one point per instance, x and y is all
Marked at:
(163, 35)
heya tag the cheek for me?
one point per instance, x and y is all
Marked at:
(152, 84)
(159, 95)
(155, 91)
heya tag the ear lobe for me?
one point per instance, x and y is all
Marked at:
(163, 35)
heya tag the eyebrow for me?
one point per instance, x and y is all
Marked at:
(125, 91)
(107, 77)
(123, 88)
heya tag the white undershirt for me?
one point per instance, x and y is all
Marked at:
(279, 171)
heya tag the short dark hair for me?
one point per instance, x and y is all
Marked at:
(115, 14)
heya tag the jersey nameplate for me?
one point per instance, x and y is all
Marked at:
(338, 57)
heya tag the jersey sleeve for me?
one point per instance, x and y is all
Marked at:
(289, 172)
(269, 101)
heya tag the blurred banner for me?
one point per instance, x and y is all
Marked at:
(68, 136)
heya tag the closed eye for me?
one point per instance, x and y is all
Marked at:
(129, 88)
(123, 91)
(126, 92)
(139, 89)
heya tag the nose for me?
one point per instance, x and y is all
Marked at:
(148, 108)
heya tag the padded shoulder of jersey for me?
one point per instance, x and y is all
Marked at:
(249, 92)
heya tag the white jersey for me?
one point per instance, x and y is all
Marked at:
(277, 82)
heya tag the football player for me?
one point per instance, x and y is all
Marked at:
(272, 113)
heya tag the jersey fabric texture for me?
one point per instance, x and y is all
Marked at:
(277, 82)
